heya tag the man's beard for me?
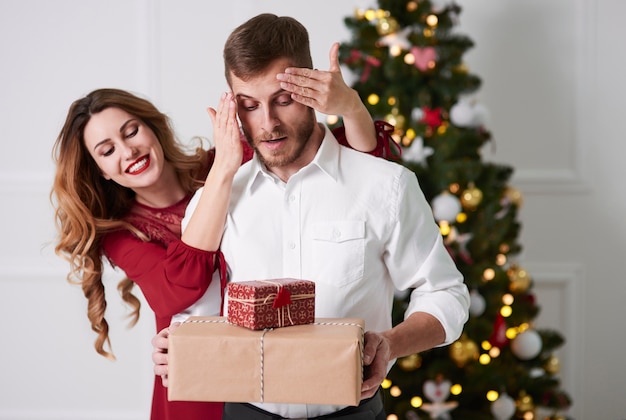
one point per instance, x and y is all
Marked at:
(301, 134)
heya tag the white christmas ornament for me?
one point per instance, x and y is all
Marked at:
(438, 392)
(526, 345)
(397, 39)
(536, 372)
(446, 207)
(504, 407)
(417, 114)
(417, 153)
(468, 113)
(461, 114)
(477, 303)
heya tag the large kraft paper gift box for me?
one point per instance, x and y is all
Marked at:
(260, 304)
(320, 363)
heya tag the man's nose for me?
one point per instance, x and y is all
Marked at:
(270, 120)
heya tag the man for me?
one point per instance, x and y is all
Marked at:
(306, 207)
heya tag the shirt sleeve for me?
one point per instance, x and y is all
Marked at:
(171, 279)
(417, 259)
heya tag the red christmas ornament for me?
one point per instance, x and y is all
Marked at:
(498, 336)
(432, 117)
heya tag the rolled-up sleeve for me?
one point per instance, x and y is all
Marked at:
(418, 260)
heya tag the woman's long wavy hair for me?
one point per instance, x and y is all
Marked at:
(87, 206)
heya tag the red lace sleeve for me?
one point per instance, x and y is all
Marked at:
(386, 146)
(171, 279)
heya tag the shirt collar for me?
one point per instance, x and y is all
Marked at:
(326, 159)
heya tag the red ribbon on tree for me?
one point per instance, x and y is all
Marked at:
(368, 62)
(498, 336)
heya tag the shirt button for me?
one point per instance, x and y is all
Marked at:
(292, 198)
(291, 245)
(336, 233)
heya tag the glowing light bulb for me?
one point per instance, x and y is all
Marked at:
(492, 395)
(373, 99)
(432, 20)
(444, 227)
(370, 14)
(511, 333)
(494, 352)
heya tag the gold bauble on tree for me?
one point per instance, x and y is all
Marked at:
(471, 197)
(514, 196)
(519, 279)
(396, 119)
(463, 351)
(524, 403)
(552, 365)
(411, 362)
(386, 26)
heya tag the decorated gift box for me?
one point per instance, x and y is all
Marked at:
(261, 304)
(319, 363)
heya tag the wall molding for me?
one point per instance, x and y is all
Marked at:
(575, 179)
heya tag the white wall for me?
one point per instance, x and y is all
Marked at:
(552, 80)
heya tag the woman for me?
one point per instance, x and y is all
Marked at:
(121, 188)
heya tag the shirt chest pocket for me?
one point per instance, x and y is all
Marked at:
(338, 251)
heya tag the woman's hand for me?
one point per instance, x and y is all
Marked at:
(324, 91)
(226, 135)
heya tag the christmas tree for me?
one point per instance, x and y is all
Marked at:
(409, 70)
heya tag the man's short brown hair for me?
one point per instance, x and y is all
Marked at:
(255, 44)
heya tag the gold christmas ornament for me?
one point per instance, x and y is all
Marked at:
(519, 279)
(514, 195)
(463, 351)
(461, 68)
(396, 119)
(552, 365)
(471, 197)
(386, 26)
(410, 363)
(524, 402)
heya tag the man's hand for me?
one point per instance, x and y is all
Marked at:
(376, 356)
(160, 345)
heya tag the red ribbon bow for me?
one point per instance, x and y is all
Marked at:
(283, 298)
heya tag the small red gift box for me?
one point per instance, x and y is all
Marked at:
(261, 304)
